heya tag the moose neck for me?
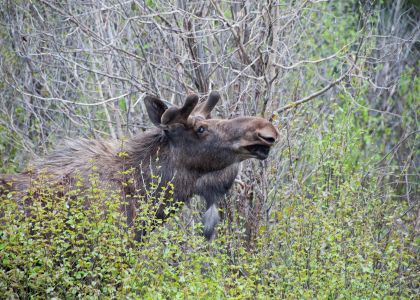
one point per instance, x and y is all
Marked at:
(150, 154)
(146, 149)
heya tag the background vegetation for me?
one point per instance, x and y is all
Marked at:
(334, 213)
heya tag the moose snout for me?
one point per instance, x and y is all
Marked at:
(268, 139)
(268, 135)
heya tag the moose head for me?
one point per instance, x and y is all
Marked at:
(204, 144)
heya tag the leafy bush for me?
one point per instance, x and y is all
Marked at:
(341, 234)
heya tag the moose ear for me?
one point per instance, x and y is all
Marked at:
(155, 109)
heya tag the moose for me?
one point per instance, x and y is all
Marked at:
(187, 148)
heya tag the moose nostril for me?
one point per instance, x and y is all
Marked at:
(268, 139)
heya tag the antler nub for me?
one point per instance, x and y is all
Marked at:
(205, 108)
(180, 115)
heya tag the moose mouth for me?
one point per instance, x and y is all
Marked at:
(259, 151)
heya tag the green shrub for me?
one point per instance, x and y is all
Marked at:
(342, 234)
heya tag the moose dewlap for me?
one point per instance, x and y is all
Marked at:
(193, 152)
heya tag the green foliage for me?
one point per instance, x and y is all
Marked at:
(338, 236)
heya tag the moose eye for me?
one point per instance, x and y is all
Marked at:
(201, 129)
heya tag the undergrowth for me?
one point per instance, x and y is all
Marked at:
(341, 234)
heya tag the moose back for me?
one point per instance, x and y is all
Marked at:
(195, 153)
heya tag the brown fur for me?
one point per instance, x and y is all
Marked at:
(197, 154)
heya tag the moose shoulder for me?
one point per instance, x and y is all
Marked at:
(195, 153)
